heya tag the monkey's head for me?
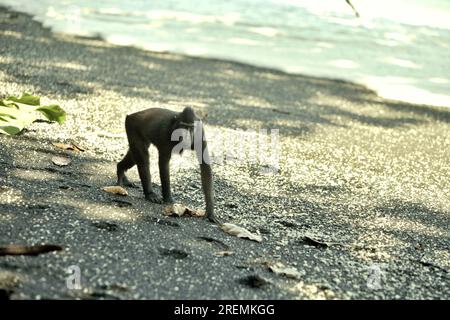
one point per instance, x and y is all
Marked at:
(188, 116)
(188, 122)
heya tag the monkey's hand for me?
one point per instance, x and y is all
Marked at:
(152, 197)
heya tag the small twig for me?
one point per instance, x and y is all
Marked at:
(18, 250)
(429, 264)
(353, 8)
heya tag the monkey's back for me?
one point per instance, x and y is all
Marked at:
(151, 125)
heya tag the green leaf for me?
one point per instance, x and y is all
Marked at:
(3, 115)
(17, 113)
(8, 103)
(26, 98)
(11, 130)
(53, 112)
(9, 112)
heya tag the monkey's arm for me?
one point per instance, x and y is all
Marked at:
(164, 172)
(207, 182)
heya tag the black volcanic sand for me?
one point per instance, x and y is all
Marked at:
(360, 206)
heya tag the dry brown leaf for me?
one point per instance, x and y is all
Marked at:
(175, 209)
(240, 232)
(8, 282)
(78, 147)
(313, 242)
(178, 209)
(281, 269)
(195, 213)
(18, 249)
(61, 161)
(69, 147)
(116, 190)
(223, 253)
(63, 146)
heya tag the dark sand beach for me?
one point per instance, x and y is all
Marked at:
(366, 178)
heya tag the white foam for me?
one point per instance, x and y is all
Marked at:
(398, 61)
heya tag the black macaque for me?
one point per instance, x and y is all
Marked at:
(170, 132)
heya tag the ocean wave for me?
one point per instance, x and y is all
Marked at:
(306, 37)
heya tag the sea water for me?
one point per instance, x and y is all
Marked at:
(399, 48)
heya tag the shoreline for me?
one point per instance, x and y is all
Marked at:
(99, 36)
(361, 175)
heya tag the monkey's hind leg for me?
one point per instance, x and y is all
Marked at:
(126, 163)
(164, 173)
(141, 158)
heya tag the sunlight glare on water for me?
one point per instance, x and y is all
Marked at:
(398, 48)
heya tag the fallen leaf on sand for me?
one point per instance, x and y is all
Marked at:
(78, 147)
(61, 161)
(107, 134)
(69, 147)
(281, 269)
(214, 242)
(174, 253)
(121, 203)
(195, 213)
(105, 225)
(240, 232)
(8, 283)
(313, 242)
(178, 210)
(254, 281)
(280, 111)
(223, 253)
(116, 190)
(175, 209)
(18, 249)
